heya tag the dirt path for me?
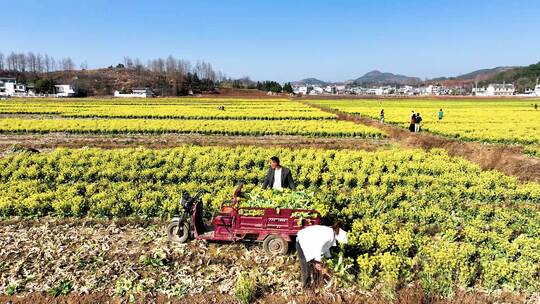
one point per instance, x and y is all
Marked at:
(507, 159)
(54, 140)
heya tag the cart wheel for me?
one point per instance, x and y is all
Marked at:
(275, 245)
(178, 236)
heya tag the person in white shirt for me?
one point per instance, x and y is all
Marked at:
(278, 177)
(314, 242)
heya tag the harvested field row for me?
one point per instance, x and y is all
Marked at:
(46, 142)
(115, 261)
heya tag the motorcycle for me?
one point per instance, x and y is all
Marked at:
(179, 229)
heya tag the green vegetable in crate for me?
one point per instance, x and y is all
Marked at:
(280, 199)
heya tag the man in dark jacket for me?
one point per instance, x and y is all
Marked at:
(278, 177)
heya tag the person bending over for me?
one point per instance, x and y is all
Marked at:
(314, 242)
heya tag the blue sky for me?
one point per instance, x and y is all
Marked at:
(284, 40)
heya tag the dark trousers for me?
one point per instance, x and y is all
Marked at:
(306, 267)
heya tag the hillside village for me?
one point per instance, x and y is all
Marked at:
(9, 87)
(493, 89)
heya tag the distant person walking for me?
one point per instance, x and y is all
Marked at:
(536, 106)
(413, 122)
(418, 120)
(441, 114)
(382, 116)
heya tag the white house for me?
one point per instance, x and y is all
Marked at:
(135, 93)
(405, 90)
(10, 87)
(479, 91)
(6, 87)
(537, 90)
(433, 90)
(497, 89)
(340, 89)
(374, 91)
(64, 90)
(330, 90)
(316, 90)
(304, 90)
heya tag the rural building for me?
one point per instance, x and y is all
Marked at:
(537, 90)
(497, 89)
(434, 90)
(10, 87)
(65, 90)
(135, 93)
(479, 91)
(405, 90)
(374, 91)
(304, 90)
(330, 90)
(316, 91)
(7, 86)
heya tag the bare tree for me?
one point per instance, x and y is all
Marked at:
(11, 61)
(54, 65)
(21, 62)
(84, 65)
(170, 66)
(1, 61)
(197, 69)
(184, 67)
(47, 63)
(221, 76)
(157, 65)
(67, 64)
(39, 63)
(31, 61)
(128, 63)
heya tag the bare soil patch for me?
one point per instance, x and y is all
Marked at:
(55, 140)
(96, 254)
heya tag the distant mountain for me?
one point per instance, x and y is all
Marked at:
(479, 75)
(380, 78)
(523, 77)
(311, 81)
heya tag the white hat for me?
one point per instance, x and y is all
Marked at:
(341, 237)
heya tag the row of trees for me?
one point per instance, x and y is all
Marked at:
(266, 86)
(176, 76)
(168, 76)
(36, 63)
(173, 67)
(169, 66)
(273, 86)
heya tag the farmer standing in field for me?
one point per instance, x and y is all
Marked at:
(312, 243)
(382, 116)
(413, 122)
(418, 120)
(278, 177)
(441, 114)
